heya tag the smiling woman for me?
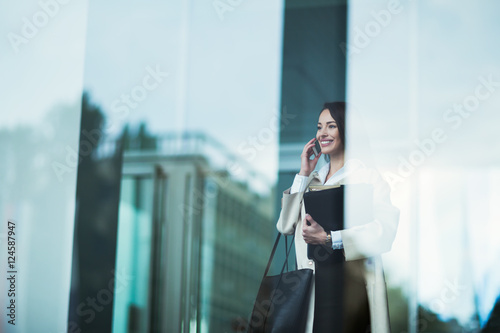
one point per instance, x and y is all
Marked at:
(349, 293)
(331, 133)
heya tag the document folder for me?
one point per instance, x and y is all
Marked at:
(326, 207)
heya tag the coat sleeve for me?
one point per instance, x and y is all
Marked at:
(375, 237)
(290, 212)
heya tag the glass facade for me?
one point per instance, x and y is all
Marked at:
(146, 145)
(131, 306)
(422, 77)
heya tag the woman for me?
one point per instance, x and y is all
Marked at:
(359, 244)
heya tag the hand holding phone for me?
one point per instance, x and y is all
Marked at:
(316, 148)
(308, 161)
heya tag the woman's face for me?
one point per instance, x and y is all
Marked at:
(328, 134)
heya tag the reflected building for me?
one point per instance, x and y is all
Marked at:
(192, 239)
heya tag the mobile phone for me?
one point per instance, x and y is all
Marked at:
(316, 148)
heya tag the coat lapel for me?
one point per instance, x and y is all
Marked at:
(314, 179)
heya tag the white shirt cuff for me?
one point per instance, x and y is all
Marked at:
(299, 184)
(337, 240)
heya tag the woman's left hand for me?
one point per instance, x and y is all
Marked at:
(314, 233)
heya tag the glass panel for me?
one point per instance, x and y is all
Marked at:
(41, 61)
(190, 92)
(173, 92)
(131, 308)
(424, 77)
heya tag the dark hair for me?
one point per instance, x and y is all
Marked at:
(337, 111)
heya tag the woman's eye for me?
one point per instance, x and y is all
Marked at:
(332, 126)
(319, 128)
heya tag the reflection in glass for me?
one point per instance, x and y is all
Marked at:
(191, 236)
(134, 245)
(191, 210)
(425, 81)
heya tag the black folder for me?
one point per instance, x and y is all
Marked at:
(326, 207)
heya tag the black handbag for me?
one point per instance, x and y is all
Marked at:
(282, 303)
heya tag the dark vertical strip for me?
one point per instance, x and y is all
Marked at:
(155, 292)
(313, 66)
(185, 260)
(313, 72)
(96, 221)
(197, 230)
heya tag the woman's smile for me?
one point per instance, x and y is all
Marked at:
(325, 143)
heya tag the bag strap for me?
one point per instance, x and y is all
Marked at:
(287, 250)
(272, 253)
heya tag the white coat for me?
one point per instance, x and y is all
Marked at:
(363, 241)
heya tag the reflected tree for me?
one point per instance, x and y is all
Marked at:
(97, 198)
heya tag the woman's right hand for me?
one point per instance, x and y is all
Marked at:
(307, 165)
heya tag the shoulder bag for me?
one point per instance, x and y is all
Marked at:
(282, 303)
